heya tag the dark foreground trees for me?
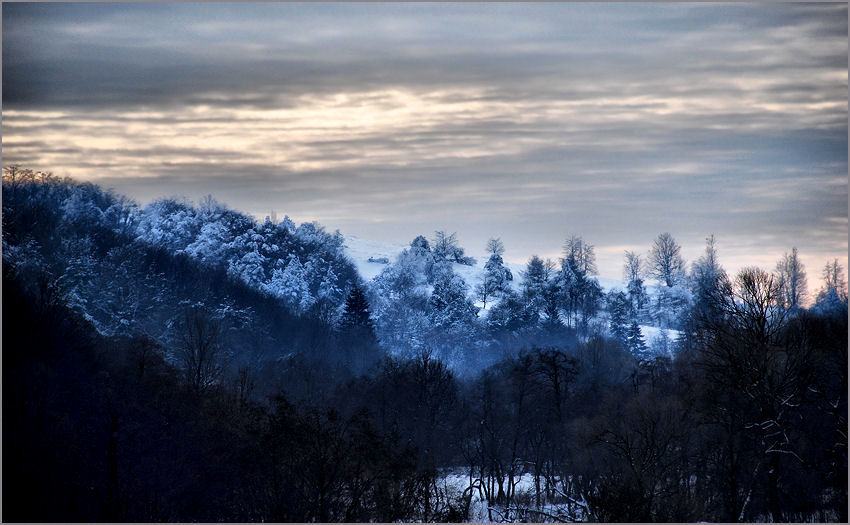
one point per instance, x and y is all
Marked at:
(748, 423)
(104, 429)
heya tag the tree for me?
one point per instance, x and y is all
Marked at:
(638, 298)
(619, 306)
(420, 243)
(707, 277)
(755, 380)
(291, 285)
(448, 305)
(535, 283)
(665, 261)
(356, 312)
(580, 255)
(635, 342)
(199, 351)
(495, 246)
(834, 283)
(791, 275)
(358, 328)
(328, 296)
(445, 245)
(495, 279)
(632, 268)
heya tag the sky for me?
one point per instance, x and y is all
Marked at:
(528, 122)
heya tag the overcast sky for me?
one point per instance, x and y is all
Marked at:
(530, 122)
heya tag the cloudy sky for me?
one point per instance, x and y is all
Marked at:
(530, 122)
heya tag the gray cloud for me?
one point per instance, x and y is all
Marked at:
(526, 121)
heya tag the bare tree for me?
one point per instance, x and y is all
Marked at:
(580, 254)
(791, 277)
(444, 244)
(495, 246)
(200, 353)
(632, 266)
(665, 261)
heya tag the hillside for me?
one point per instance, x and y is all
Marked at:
(370, 257)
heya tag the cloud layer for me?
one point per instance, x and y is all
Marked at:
(530, 122)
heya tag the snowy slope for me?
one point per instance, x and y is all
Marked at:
(361, 250)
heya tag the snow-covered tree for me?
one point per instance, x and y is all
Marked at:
(420, 244)
(250, 268)
(448, 306)
(328, 296)
(833, 294)
(445, 246)
(291, 286)
(212, 243)
(169, 224)
(493, 281)
(534, 283)
(707, 280)
(669, 307)
(510, 314)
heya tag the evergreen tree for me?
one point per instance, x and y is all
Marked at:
(619, 307)
(635, 342)
(357, 330)
(356, 313)
(534, 283)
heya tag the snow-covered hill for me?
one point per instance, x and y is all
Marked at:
(369, 256)
(360, 251)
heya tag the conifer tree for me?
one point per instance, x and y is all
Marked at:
(635, 342)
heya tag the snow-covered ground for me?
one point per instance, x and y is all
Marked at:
(361, 250)
(457, 482)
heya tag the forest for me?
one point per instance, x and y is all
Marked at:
(186, 362)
